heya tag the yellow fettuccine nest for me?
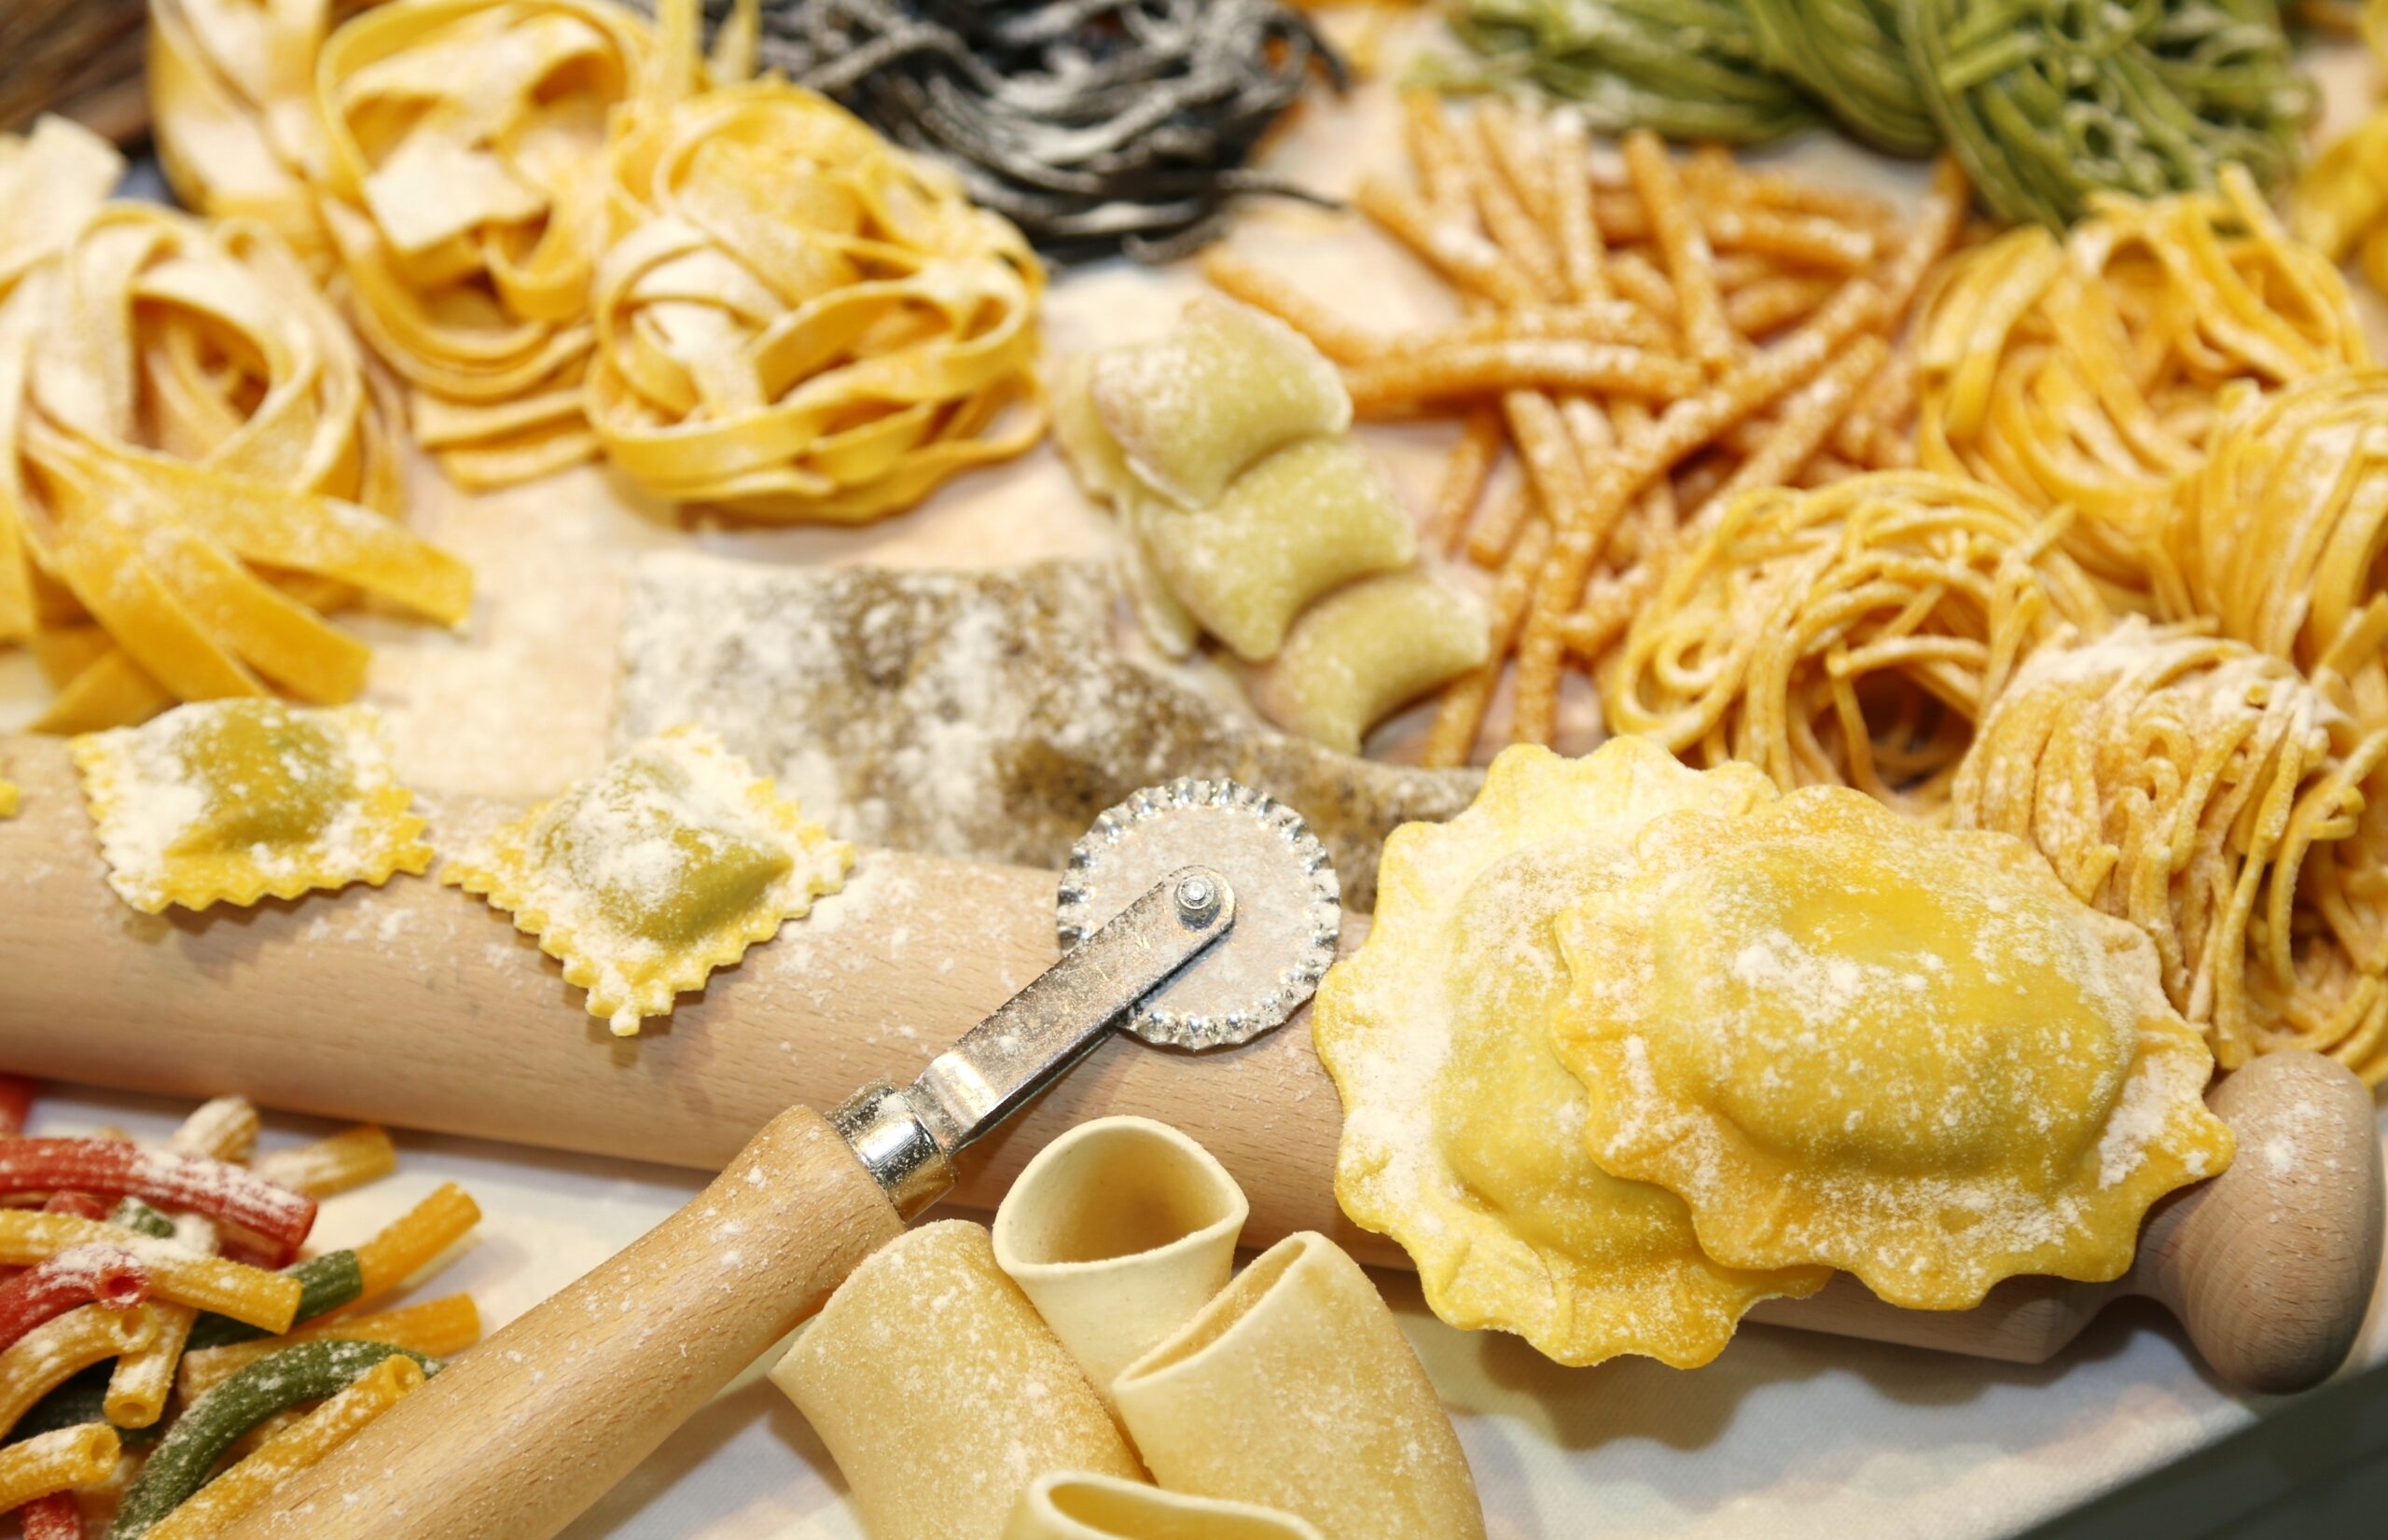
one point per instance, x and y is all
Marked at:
(2207, 793)
(464, 188)
(2083, 372)
(1849, 636)
(798, 321)
(233, 110)
(2277, 539)
(193, 458)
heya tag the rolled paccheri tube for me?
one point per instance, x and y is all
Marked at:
(1300, 1345)
(1075, 1505)
(1118, 1232)
(940, 1392)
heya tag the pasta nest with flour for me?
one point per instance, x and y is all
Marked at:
(797, 320)
(233, 112)
(200, 468)
(2084, 371)
(1849, 636)
(2277, 537)
(2210, 795)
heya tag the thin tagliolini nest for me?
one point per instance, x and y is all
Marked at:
(1850, 635)
(2232, 810)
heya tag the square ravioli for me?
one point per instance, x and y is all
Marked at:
(662, 867)
(236, 800)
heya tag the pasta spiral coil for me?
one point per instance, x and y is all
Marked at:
(1850, 635)
(2083, 372)
(199, 464)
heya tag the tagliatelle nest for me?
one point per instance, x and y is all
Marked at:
(2210, 795)
(464, 190)
(796, 320)
(2084, 372)
(1850, 635)
(2278, 537)
(231, 110)
(199, 469)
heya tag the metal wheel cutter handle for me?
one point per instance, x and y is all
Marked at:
(522, 1433)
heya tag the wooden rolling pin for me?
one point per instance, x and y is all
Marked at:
(416, 1006)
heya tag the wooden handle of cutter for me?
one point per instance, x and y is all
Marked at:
(517, 1437)
(416, 1006)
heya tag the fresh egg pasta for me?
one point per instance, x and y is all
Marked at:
(1456, 1110)
(1118, 1232)
(2231, 809)
(662, 867)
(232, 800)
(1075, 1505)
(1301, 1345)
(940, 1392)
(1365, 651)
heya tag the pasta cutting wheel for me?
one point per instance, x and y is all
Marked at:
(1198, 914)
(1253, 980)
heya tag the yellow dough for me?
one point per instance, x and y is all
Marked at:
(665, 865)
(1842, 1038)
(1462, 1128)
(1301, 524)
(236, 800)
(1366, 650)
(1194, 409)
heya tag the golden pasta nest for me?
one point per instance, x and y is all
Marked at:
(1463, 1131)
(198, 470)
(662, 867)
(463, 187)
(2082, 372)
(1847, 635)
(1844, 1038)
(2207, 793)
(2276, 537)
(797, 320)
(234, 800)
(232, 111)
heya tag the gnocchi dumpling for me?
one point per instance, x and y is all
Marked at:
(1463, 1131)
(1191, 410)
(1366, 650)
(1304, 522)
(240, 798)
(1846, 1039)
(667, 864)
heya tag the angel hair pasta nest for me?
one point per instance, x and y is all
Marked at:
(1096, 126)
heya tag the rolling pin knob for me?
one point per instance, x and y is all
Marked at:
(2270, 1265)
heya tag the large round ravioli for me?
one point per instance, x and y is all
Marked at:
(1846, 1038)
(1463, 1134)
